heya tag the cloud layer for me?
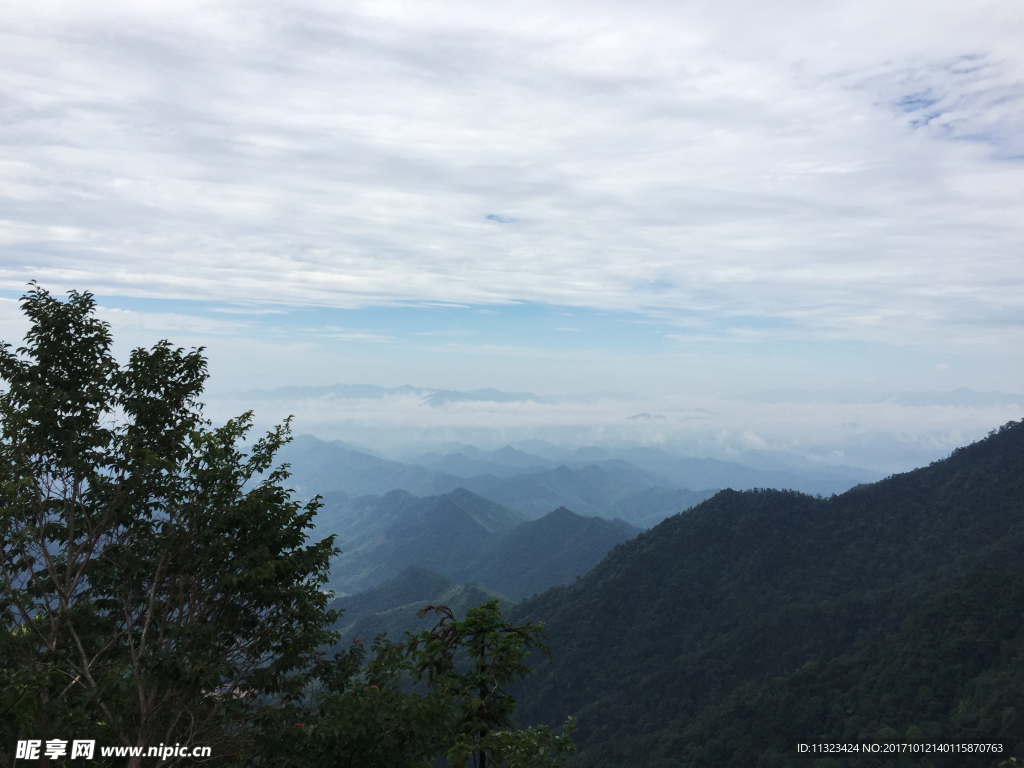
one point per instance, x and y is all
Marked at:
(884, 433)
(788, 170)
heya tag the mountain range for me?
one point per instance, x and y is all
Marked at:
(894, 611)
(585, 480)
(463, 537)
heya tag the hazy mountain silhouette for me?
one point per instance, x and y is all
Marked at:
(554, 549)
(319, 467)
(440, 533)
(465, 538)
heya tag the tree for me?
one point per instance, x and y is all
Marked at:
(442, 691)
(157, 585)
(497, 652)
(152, 586)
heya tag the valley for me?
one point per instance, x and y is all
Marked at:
(702, 627)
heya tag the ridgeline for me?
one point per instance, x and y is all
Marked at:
(893, 611)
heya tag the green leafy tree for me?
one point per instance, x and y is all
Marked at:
(153, 587)
(157, 584)
(443, 691)
(495, 654)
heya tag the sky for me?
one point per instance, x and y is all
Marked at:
(775, 216)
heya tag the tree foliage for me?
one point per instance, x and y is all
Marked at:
(157, 584)
(154, 586)
(443, 691)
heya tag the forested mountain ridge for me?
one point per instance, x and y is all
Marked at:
(440, 533)
(392, 607)
(538, 554)
(761, 606)
(652, 505)
(463, 537)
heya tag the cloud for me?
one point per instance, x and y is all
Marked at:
(131, 321)
(348, 334)
(893, 434)
(248, 311)
(810, 164)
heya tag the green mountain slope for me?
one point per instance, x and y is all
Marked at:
(538, 554)
(413, 585)
(392, 606)
(895, 605)
(354, 520)
(489, 515)
(465, 538)
(953, 673)
(439, 533)
(652, 505)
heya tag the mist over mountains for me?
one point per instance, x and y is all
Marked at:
(432, 397)
(860, 434)
(960, 397)
(505, 523)
(463, 537)
(687, 595)
(590, 478)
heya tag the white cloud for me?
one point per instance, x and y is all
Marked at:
(131, 322)
(346, 334)
(886, 436)
(851, 171)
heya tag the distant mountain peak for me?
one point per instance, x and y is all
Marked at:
(562, 512)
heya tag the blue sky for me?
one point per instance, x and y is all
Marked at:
(656, 198)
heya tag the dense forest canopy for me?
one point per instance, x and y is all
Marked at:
(894, 609)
